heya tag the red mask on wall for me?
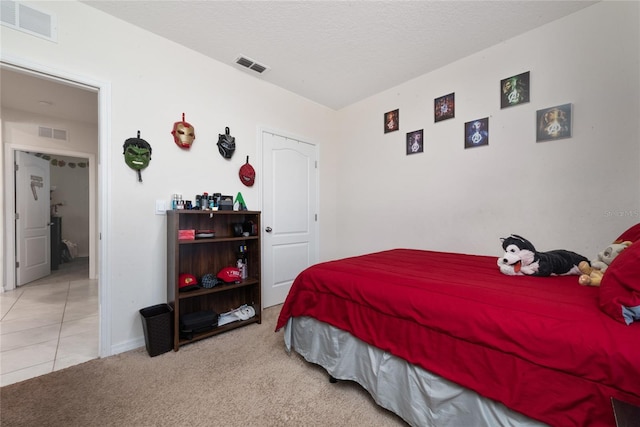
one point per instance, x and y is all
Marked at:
(183, 134)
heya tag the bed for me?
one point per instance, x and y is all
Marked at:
(446, 339)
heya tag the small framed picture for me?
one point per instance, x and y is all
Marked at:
(415, 143)
(554, 123)
(476, 133)
(444, 107)
(391, 121)
(514, 90)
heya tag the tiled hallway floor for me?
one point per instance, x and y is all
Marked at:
(49, 324)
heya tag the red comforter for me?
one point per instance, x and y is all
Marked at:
(540, 345)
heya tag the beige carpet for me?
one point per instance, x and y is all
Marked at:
(240, 378)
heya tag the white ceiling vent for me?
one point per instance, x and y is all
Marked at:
(28, 19)
(46, 132)
(251, 64)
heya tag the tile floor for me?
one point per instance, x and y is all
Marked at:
(49, 324)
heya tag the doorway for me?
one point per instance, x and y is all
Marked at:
(54, 117)
(52, 205)
(65, 87)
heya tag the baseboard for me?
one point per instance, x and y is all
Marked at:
(127, 346)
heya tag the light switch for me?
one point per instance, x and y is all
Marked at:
(161, 207)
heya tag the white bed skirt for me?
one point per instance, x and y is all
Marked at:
(419, 397)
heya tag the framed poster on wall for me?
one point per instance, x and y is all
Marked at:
(514, 90)
(444, 107)
(391, 121)
(554, 123)
(476, 133)
(415, 142)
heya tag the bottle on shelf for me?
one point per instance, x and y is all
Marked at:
(204, 201)
(242, 261)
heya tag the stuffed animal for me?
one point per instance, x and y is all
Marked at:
(592, 272)
(521, 258)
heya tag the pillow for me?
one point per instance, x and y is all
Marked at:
(632, 234)
(620, 286)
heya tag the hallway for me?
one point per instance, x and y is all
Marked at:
(49, 324)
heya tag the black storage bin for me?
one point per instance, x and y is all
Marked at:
(157, 322)
(198, 322)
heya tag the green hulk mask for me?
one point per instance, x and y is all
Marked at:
(137, 154)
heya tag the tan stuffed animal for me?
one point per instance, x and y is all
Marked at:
(592, 274)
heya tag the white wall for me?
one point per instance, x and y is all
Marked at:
(72, 192)
(577, 193)
(21, 128)
(152, 83)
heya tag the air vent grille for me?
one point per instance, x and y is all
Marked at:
(28, 19)
(8, 13)
(60, 134)
(259, 68)
(47, 132)
(251, 64)
(244, 62)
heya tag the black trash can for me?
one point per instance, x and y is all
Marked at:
(157, 322)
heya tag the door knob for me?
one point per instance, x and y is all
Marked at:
(268, 229)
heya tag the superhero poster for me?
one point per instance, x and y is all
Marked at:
(444, 107)
(514, 90)
(391, 121)
(554, 123)
(415, 142)
(476, 133)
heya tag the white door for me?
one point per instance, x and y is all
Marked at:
(33, 219)
(289, 216)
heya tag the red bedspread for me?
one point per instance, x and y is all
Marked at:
(540, 345)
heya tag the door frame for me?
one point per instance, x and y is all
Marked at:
(100, 201)
(260, 174)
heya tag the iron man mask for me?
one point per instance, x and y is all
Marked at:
(183, 134)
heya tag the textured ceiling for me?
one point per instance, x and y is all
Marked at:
(339, 52)
(47, 96)
(332, 52)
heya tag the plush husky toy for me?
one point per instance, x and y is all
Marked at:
(521, 258)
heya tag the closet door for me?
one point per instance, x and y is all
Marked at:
(33, 218)
(289, 216)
